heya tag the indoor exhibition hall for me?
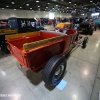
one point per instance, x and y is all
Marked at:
(49, 49)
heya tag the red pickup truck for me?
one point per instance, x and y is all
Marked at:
(43, 50)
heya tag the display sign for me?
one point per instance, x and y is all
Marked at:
(51, 15)
(94, 14)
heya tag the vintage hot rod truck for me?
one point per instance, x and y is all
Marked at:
(44, 50)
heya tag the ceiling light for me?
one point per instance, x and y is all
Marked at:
(14, 9)
(38, 6)
(30, 8)
(13, 2)
(56, 5)
(20, 7)
(91, 1)
(2, 8)
(70, 2)
(27, 4)
(46, 7)
(48, 3)
(37, 1)
(67, 7)
(7, 6)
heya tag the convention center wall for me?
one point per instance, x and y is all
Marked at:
(7, 13)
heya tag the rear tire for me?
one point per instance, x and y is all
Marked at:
(91, 32)
(95, 28)
(54, 70)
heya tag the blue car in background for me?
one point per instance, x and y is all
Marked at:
(97, 23)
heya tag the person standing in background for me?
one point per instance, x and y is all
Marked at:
(54, 22)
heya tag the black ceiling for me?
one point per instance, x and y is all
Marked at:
(79, 6)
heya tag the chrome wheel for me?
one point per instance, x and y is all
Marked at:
(59, 71)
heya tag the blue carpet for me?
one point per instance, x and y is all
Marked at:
(61, 85)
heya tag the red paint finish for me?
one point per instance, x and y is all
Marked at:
(36, 59)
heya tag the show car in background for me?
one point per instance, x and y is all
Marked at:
(62, 27)
(97, 23)
(86, 28)
(16, 26)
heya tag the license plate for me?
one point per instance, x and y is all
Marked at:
(83, 28)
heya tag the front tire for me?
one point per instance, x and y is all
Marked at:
(85, 42)
(54, 70)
